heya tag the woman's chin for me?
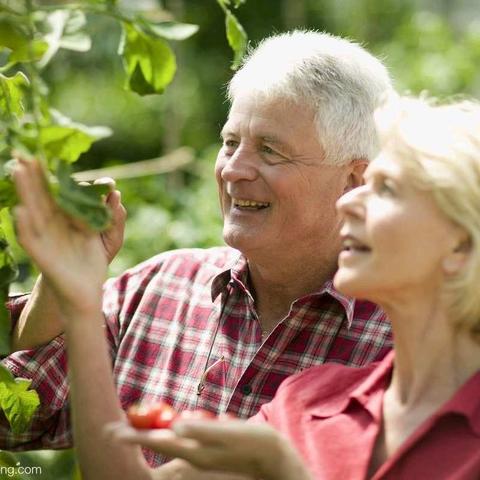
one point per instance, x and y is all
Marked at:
(349, 284)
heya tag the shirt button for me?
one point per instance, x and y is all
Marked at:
(246, 389)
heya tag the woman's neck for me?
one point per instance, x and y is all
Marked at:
(433, 357)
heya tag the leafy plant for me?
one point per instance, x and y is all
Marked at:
(31, 34)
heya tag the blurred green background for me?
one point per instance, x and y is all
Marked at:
(431, 46)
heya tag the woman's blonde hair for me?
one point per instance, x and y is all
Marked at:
(439, 146)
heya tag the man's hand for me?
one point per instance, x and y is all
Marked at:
(255, 450)
(112, 238)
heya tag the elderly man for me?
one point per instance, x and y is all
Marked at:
(217, 329)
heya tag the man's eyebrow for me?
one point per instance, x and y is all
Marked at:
(272, 139)
(225, 132)
(269, 138)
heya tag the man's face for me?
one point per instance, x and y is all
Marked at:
(277, 196)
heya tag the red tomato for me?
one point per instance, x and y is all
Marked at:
(141, 416)
(156, 415)
(164, 417)
(196, 415)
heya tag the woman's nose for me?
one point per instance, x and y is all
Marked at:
(351, 202)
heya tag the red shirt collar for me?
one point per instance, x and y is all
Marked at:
(369, 394)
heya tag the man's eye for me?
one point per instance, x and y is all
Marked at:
(230, 143)
(266, 149)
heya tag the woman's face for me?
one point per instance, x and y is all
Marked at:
(395, 238)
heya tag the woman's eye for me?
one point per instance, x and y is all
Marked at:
(385, 186)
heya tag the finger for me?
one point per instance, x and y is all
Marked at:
(33, 190)
(43, 200)
(22, 181)
(213, 433)
(25, 230)
(110, 182)
(227, 416)
(126, 432)
(167, 443)
(163, 441)
(114, 202)
(105, 181)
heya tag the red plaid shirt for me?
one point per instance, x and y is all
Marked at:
(179, 313)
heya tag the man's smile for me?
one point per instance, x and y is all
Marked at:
(249, 204)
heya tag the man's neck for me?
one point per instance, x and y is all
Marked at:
(276, 285)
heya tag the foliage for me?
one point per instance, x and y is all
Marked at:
(31, 34)
(17, 402)
(237, 38)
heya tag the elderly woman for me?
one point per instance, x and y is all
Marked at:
(411, 239)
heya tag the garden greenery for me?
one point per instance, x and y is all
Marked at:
(31, 34)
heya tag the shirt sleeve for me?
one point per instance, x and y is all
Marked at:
(46, 367)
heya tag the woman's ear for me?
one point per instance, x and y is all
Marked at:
(355, 175)
(457, 258)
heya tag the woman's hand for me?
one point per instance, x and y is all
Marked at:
(232, 446)
(72, 257)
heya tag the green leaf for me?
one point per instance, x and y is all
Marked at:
(11, 95)
(237, 3)
(17, 401)
(149, 62)
(12, 34)
(237, 38)
(82, 201)
(64, 143)
(170, 30)
(8, 268)
(8, 273)
(15, 38)
(64, 31)
(63, 139)
(7, 459)
(8, 194)
(35, 52)
(5, 326)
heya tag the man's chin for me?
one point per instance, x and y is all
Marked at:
(240, 241)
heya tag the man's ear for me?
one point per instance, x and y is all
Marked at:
(355, 175)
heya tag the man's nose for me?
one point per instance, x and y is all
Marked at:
(241, 165)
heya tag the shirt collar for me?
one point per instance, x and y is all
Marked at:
(348, 303)
(466, 402)
(237, 273)
(354, 387)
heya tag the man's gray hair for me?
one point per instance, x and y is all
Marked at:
(338, 79)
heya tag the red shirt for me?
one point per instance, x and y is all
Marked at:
(161, 319)
(333, 414)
